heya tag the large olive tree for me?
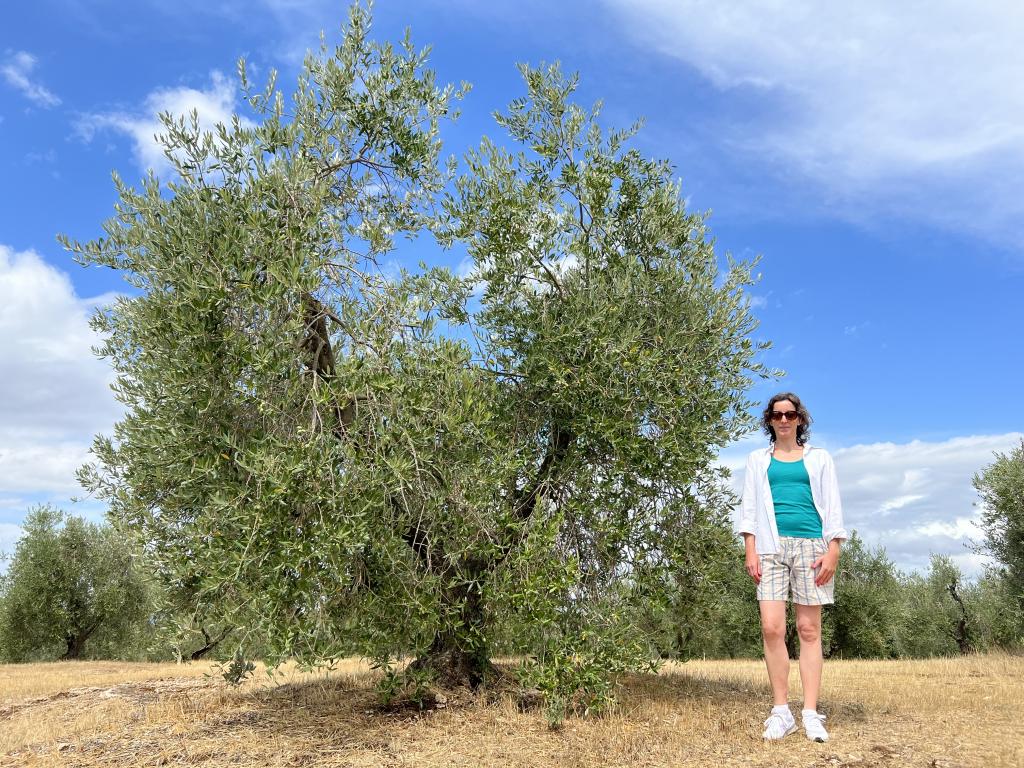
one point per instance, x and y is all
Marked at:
(344, 460)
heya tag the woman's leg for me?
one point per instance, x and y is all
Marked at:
(776, 657)
(808, 627)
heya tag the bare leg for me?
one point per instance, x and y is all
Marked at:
(808, 626)
(776, 657)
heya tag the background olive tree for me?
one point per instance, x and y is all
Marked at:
(865, 619)
(343, 460)
(1001, 487)
(998, 614)
(937, 616)
(73, 590)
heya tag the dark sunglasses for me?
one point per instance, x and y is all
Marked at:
(787, 415)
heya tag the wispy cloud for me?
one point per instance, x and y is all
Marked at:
(215, 104)
(892, 105)
(899, 502)
(17, 73)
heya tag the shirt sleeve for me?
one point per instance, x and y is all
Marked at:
(748, 505)
(833, 524)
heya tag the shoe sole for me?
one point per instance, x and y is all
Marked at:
(794, 729)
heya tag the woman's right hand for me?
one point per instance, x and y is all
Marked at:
(753, 565)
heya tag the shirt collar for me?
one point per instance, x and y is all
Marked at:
(807, 448)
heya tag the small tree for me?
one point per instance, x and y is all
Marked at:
(1001, 486)
(709, 608)
(936, 616)
(864, 619)
(999, 614)
(72, 590)
(338, 460)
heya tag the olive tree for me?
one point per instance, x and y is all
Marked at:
(1001, 487)
(343, 459)
(999, 616)
(937, 615)
(864, 621)
(73, 589)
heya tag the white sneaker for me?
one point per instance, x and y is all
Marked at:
(779, 725)
(813, 726)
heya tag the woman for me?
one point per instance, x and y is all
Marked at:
(792, 525)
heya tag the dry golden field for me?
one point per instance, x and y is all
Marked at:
(934, 714)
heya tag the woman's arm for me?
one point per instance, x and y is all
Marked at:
(752, 561)
(826, 564)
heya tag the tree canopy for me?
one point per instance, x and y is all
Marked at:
(1001, 487)
(342, 459)
(73, 590)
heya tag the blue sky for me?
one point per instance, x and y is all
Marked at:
(872, 156)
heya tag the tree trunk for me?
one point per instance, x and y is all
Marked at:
(196, 655)
(75, 646)
(682, 640)
(792, 639)
(459, 657)
(454, 667)
(960, 631)
(76, 640)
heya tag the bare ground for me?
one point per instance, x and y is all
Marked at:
(942, 713)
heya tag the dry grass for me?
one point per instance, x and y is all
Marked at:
(934, 714)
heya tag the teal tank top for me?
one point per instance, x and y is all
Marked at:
(795, 514)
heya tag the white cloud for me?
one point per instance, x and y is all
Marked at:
(467, 270)
(17, 70)
(961, 528)
(214, 105)
(54, 394)
(899, 502)
(913, 498)
(885, 104)
(9, 535)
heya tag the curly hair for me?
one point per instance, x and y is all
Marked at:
(803, 429)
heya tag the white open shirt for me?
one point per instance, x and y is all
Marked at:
(757, 512)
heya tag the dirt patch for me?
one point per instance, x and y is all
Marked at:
(138, 693)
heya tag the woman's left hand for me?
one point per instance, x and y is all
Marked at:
(826, 566)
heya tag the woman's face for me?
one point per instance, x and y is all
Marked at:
(784, 427)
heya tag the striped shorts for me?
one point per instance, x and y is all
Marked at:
(790, 570)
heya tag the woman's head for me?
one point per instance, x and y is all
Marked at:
(786, 412)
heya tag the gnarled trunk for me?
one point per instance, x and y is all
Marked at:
(459, 657)
(960, 632)
(453, 666)
(209, 644)
(75, 645)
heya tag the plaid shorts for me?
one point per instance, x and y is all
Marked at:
(791, 569)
